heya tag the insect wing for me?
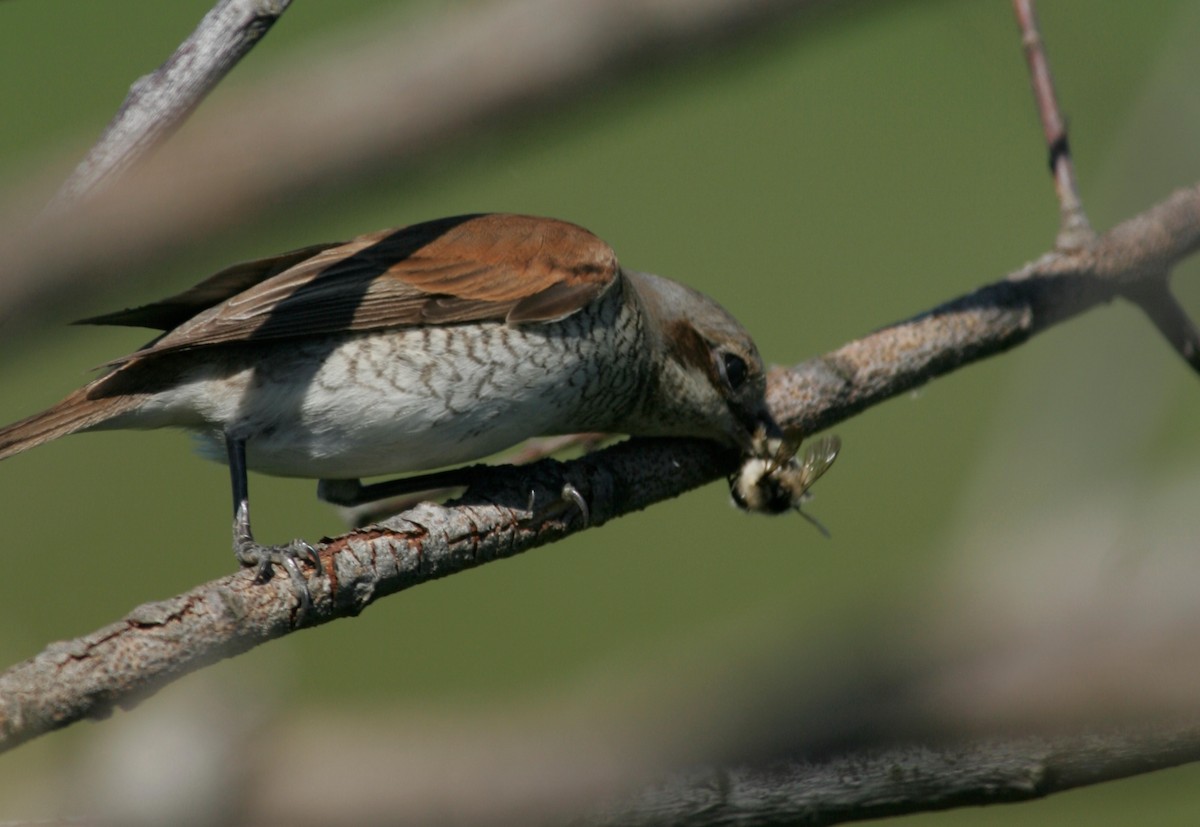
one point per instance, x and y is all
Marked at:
(817, 459)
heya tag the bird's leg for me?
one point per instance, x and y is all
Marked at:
(250, 553)
(350, 493)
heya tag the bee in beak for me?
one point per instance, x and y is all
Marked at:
(775, 479)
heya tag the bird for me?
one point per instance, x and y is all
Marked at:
(421, 347)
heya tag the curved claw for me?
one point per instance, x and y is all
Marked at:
(263, 558)
(313, 558)
(569, 497)
(299, 581)
(570, 494)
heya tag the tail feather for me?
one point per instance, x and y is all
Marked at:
(75, 413)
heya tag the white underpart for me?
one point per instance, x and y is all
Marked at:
(387, 403)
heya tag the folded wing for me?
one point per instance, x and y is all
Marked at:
(497, 267)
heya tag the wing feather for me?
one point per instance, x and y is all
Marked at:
(496, 267)
(175, 310)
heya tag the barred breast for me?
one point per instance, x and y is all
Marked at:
(411, 399)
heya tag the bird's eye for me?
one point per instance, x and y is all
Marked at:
(734, 370)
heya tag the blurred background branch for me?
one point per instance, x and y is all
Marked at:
(159, 102)
(329, 119)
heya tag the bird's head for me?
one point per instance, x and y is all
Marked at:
(709, 380)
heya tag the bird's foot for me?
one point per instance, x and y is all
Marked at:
(569, 499)
(288, 556)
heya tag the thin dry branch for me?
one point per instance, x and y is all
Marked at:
(160, 641)
(1075, 231)
(1075, 234)
(317, 124)
(1128, 261)
(158, 103)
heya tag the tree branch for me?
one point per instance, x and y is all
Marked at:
(902, 779)
(1075, 231)
(158, 103)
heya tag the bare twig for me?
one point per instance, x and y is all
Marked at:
(159, 102)
(1172, 321)
(823, 391)
(1074, 232)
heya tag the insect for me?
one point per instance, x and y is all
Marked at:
(774, 485)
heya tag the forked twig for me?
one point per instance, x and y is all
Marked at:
(1075, 235)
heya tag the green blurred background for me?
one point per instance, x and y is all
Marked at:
(860, 164)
